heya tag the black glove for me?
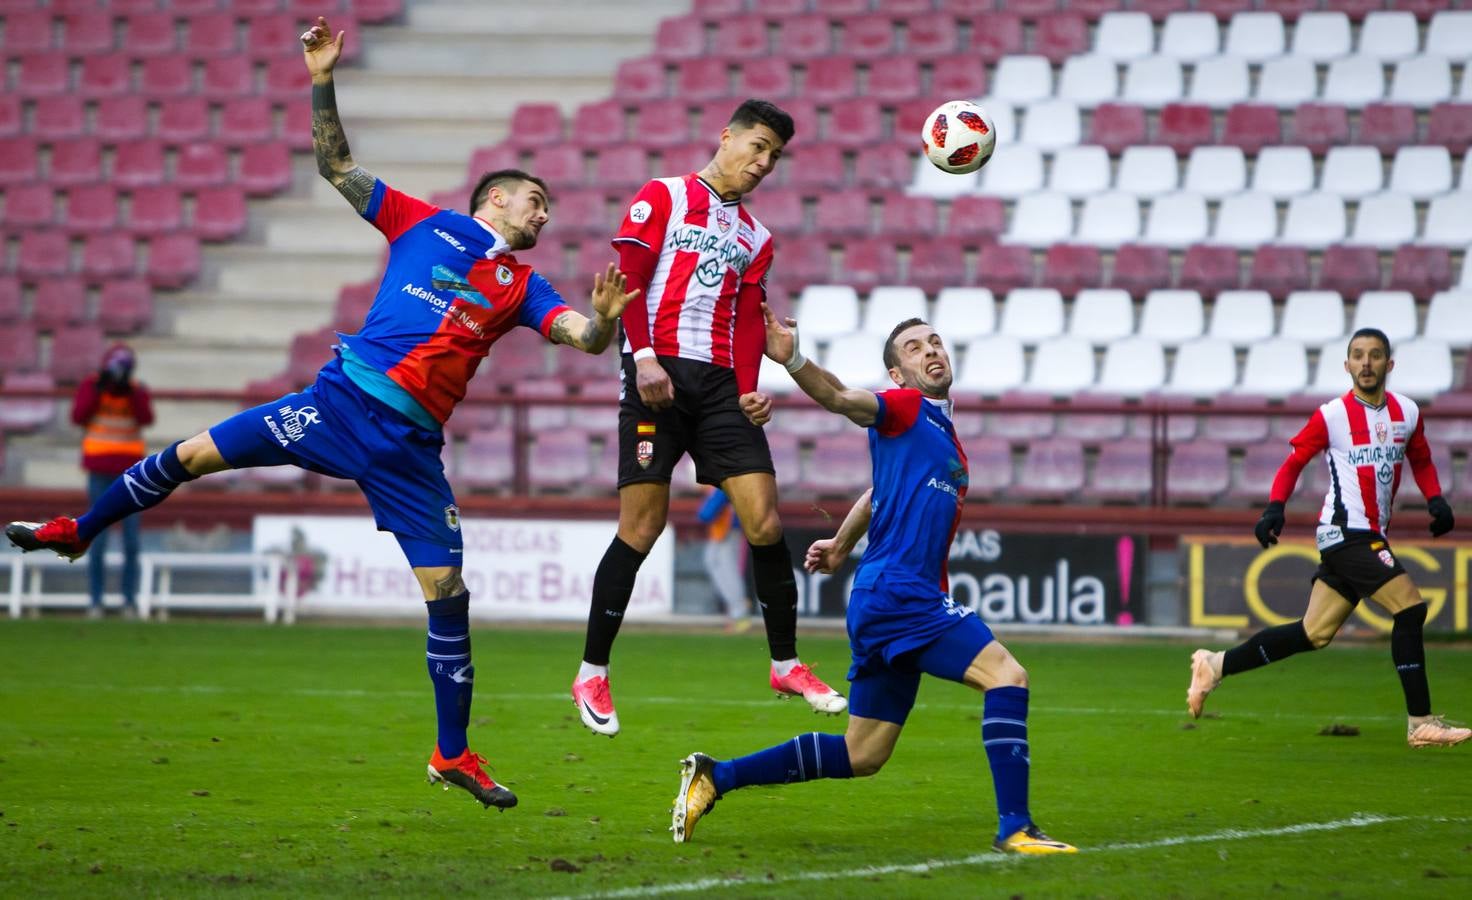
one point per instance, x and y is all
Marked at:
(1442, 519)
(1270, 525)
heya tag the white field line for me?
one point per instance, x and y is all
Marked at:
(1358, 820)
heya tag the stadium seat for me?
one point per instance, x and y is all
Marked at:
(184, 120)
(1197, 472)
(1015, 172)
(74, 353)
(1061, 35)
(931, 35)
(1450, 35)
(955, 76)
(1238, 430)
(1209, 269)
(1140, 269)
(1314, 220)
(975, 220)
(1384, 220)
(1313, 317)
(1423, 368)
(1388, 36)
(1089, 80)
(1052, 470)
(1220, 81)
(1152, 82)
(991, 467)
(679, 37)
(201, 166)
(1421, 270)
(1051, 125)
(173, 260)
(18, 347)
(1322, 36)
(57, 119)
(1189, 36)
(1253, 127)
(25, 414)
(11, 118)
(804, 37)
(739, 38)
(888, 306)
(643, 79)
(1105, 425)
(1117, 126)
(869, 262)
(1123, 472)
(1393, 312)
(843, 214)
(1133, 367)
(908, 220)
(963, 314)
(995, 35)
(1320, 126)
(1215, 172)
(105, 75)
(938, 263)
(228, 77)
(622, 168)
(1421, 81)
(1185, 126)
(43, 76)
(1147, 171)
(1109, 219)
(563, 459)
(125, 306)
(862, 126)
(1274, 368)
(60, 304)
(761, 78)
(1040, 219)
(838, 462)
(166, 77)
(155, 210)
(28, 206)
(1204, 368)
(832, 78)
(1122, 36)
(1421, 172)
(274, 35)
(1350, 270)
(10, 299)
(857, 359)
(1449, 317)
(1287, 82)
(536, 124)
(816, 169)
(1176, 220)
(287, 81)
(1023, 79)
(246, 120)
(1450, 126)
(1242, 317)
(1032, 314)
(827, 311)
(1061, 367)
(1246, 220)
(28, 30)
(1070, 268)
(1224, 10)
(867, 36)
(42, 255)
(1354, 81)
(1352, 172)
(1102, 315)
(885, 167)
(805, 261)
(1256, 36)
(1172, 316)
(149, 34)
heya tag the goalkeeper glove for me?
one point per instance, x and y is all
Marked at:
(1270, 525)
(1442, 519)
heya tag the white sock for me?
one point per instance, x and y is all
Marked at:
(588, 670)
(783, 667)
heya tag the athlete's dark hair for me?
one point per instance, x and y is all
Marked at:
(891, 354)
(1375, 333)
(763, 112)
(500, 178)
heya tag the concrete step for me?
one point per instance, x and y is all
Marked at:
(378, 142)
(220, 364)
(271, 273)
(258, 324)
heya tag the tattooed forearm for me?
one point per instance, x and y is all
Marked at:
(357, 187)
(334, 159)
(596, 334)
(562, 330)
(591, 337)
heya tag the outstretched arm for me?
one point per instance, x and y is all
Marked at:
(591, 335)
(860, 406)
(334, 159)
(828, 554)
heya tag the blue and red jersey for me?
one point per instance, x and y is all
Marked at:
(920, 479)
(450, 290)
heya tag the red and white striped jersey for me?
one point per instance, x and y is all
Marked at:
(708, 248)
(1363, 447)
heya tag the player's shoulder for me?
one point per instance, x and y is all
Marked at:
(760, 233)
(1409, 408)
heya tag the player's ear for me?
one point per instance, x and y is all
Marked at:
(897, 378)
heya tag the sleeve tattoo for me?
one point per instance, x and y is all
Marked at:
(334, 159)
(593, 337)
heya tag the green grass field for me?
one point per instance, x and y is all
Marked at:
(233, 759)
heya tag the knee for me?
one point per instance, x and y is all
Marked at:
(1320, 637)
(764, 529)
(866, 761)
(1012, 675)
(643, 528)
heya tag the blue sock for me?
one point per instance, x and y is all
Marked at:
(1004, 736)
(145, 484)
(450, 671)
(804, 758)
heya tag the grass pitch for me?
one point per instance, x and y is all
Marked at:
(233, 759)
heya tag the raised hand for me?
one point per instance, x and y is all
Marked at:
(321, 48)
(781, 338)
(609, 297)
(824, 556)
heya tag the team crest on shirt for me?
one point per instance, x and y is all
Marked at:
(1386, 558)
(724, 218)
(644, 452)
(1382, 434)
(452, 517)
(503, 275)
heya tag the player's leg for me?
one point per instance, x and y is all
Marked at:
(1403, 600)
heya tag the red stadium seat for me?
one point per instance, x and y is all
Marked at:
(995, 35)
(856, 124)
(61, 303)
(814, 168)
(1124, 472)
(831, 78)
(1350, 270)
(639, 79)
(560, 164)
(1070, 268)
(801, 262)
(28, 31)
(91, 208)
(257, 7)
(25, 414)
(1053, 469)
(884, 167)
(909, 220)
(1387, 126)
(780, 210)
(938, 263)
(1252, 126)
(173, 260)
(1093, 10)
(228, 77)
(714, 11)
(663, 125)
(579, 214)
(122, 118)
(1141, 269)
(287, 80)
(838, 462)
(43, 76)
(149, 34)
(1061, 35)
(686, 158)
(488, 457)
(839, 7)
(499, 156)
(804, 37)
(246, 120)
(18, 347)
(930, 35)
(764, 78)
(156, 210)
(621, 168)
(105, 75)
(57, 119)
(563, 459)
(28, 206)
(533, 124)
(1003, 267)
(1116, 126)
(184, 120)
(139, 163)
(277, 35)
(960, 75)
(212, 36)
(201, 166)
(893, 79)
(594, 255)
(1185, 126)
(776, 10)
(74, 353)
(10, 298)
(125, 307)
(1451, 127)
(1290, 10)
(1209, 270)
(743, 37)
(702, 79)
(679, 37)
(1279, 270)
(265, 169)
(1197, 472)
(1223, 9)
(1031, 10)
(76, 162)
(192, 7)
(296, 125)
(605, 118)
(167, 77)
(867, 36)
(1424, 9)
(1421, 270)
(1159, 9)
(10, 115)
(353, 302)
(1319, 126)
(842, 214)
(1355, 9)
(977, 220)
(107, 256)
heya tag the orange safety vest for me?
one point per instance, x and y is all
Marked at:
(113, 430)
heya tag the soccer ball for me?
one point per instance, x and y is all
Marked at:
(959, 137)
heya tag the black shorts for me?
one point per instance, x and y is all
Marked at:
(705, 421)
(1358, 566)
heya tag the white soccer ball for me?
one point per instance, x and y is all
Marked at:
(959, 137)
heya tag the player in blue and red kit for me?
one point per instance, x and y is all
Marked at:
(901, 619)
(374, 415)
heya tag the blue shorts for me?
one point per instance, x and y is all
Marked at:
(334, 428)
(898, 630)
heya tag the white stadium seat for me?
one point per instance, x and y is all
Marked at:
(1089, 80)
(1449, 222)
(857, 360)
(1389, 36)
(1215, 172)
(1393, 312)
(1246, 221)
(1032, 314)
(1146, 171)
(1385, 220)
(1256, 36)
(1313, 317)
(1204, 368)
(1330, 378)
(1101, 315)
(1274, 368)
(964, 313)
(828, 310)
(1061, 366)
(1283, 171)
(1004, 118)
(1172, 316)
(1450, 35)
(1152, 82)
(1023, 79)
(1133, 366)
(1015, 170)
(1176, 220)
(773, 378)
(993, 365)
(1422, 172)
(1242, 317)
(1190, 36)
(1355, 81)
(1422, 81)
(1423, 368)
(1124, 36)
(928, 181)
(1220, 81)
(1040, 219)
(1449, 317)
(1109, 219)
(1080, 171)
(889, 305)
(1351, 172)
(1287, 82)
(1051, 124)
(1321, 36)
(1314, 220)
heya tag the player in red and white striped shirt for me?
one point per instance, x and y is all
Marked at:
(1365, 436)
(693, 342)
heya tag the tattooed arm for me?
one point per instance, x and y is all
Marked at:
(591, 335)
(334, 160)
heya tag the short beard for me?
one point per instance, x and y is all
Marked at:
(521, 238)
